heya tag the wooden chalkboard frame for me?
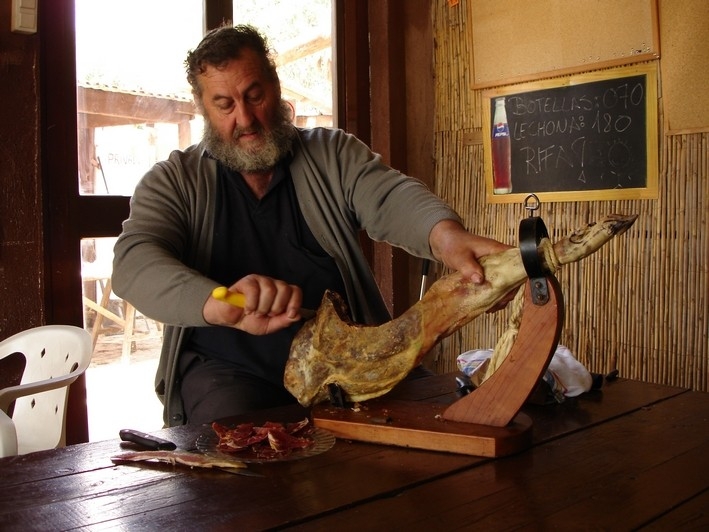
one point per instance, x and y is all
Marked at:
(648, 191)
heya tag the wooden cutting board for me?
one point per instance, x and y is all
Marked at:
(420, 425)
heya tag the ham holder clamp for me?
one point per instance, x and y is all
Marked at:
(486, 422)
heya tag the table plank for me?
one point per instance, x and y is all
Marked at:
(621, 474)
(692, 515)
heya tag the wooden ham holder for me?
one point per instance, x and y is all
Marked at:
(487, 422)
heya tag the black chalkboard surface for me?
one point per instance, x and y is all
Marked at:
(581, 137)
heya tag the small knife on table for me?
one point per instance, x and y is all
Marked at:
(146, 440)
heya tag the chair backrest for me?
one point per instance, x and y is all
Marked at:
(55, 357)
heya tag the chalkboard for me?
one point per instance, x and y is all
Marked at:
(591, 136)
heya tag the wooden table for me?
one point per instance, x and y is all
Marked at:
(631, 456)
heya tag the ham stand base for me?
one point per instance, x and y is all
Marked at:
(487, 422)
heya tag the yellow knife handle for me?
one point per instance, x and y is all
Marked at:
(233, 298)
(237, 299)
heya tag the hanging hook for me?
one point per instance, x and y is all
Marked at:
(532, 207)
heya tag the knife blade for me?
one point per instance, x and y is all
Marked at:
(146, 440)
(241, 471)
(187, 458)
(236, 299)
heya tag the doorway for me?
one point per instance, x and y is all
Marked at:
(134, 107)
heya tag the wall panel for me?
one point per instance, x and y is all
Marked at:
(641, 303)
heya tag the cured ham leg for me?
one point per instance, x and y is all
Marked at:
(368, 361)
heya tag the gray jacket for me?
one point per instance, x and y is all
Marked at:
(342, 187)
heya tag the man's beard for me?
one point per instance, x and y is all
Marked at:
(277, 143)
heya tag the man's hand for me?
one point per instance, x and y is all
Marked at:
(460, 250)
(270, 305)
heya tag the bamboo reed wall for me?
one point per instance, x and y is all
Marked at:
(640, 304)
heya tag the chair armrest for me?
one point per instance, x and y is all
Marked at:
(8, 436)
(9, 394)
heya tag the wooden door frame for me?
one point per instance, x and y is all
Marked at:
(68, 217)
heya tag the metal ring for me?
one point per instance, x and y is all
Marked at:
(532, 208)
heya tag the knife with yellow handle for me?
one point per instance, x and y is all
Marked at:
(237, 299)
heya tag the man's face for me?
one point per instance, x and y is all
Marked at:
(247, 125)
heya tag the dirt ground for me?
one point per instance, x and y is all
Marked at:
(109, 347)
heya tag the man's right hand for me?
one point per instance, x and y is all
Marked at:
(271, 305)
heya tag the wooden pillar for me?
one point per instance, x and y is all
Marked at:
(388, 115)
(216, 12)
(351, 58)
(184, 134)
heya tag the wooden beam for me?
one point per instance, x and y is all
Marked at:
(304, 50)
(96, 120)
(117, 107)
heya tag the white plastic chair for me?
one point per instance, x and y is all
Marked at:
(55, 357)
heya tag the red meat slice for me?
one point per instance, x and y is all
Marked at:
(267, 441)
(281, 441)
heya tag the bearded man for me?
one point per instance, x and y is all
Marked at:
(270, 211)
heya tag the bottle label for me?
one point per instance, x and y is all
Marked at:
(500, 130)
